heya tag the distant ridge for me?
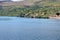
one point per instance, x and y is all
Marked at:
(25, 2)
(11, 3)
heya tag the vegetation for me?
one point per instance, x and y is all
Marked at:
(38, 10)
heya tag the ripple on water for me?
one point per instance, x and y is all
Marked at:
(29, 29)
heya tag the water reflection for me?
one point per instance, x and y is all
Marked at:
(4, 19)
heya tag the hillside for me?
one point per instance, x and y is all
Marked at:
(28, 2)
(30, 8)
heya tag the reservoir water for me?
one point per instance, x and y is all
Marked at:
(16, 28)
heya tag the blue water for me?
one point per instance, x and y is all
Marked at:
(16, 28)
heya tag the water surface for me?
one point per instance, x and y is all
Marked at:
(16, 28)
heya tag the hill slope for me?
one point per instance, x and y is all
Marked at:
(30, 8)
(28, 2)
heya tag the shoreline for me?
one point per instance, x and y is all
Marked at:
(54, 17)
(34, 18)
